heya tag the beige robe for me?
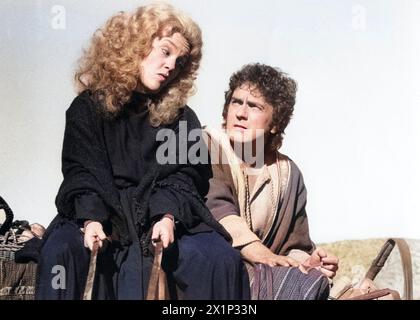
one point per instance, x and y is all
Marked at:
(286, 228)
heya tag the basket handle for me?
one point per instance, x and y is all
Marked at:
(7, 236)
(383, 255)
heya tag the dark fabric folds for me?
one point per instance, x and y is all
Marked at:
(87, 170)
(86, 167)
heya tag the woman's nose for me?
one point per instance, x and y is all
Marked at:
(170, 64)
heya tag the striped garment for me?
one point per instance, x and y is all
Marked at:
(288, 283)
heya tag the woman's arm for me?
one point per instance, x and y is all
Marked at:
(85, 169)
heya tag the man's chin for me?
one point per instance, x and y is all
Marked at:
(238, 138)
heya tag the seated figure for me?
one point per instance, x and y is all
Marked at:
(134, 82)
(257, 193)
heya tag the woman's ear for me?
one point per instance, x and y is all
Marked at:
(273, 130)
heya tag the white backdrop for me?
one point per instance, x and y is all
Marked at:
(355, 133)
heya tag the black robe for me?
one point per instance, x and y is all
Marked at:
(111, 175)
(87, 169)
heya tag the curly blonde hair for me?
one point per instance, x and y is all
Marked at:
(110, 68)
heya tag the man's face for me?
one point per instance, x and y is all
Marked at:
(249, 115)
(163, 63)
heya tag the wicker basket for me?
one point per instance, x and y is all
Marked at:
(9, 244)
(6, 216)
(17, 280)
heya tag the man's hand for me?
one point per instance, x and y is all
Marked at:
(93, 232)
(164, 231)
(327, 263)
(256, 252)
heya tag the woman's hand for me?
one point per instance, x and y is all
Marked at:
(256, 252)
(164, 231)
(93, 232)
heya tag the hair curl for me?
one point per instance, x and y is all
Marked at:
(277, 89)
(110, 68)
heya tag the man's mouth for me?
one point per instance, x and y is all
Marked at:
(238, 126)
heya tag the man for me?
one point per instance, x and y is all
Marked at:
(257, 193)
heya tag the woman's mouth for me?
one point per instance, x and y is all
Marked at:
(162, 77)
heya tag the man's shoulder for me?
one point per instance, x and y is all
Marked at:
(294, 168)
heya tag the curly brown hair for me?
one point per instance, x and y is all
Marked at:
(277, 88)
(110, 68)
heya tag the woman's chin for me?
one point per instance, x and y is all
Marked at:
(151, 88)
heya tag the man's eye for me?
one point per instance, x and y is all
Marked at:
(255, 107)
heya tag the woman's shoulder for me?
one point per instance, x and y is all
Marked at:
(82, 101)
(188, 114)
(82, 105)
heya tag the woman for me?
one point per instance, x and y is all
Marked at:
(134, 82)
(257, 193)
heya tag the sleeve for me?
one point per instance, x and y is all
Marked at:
(238, 230)
(177, 195)
(85, 170)
(181, 189)
(298, 233)
(165, 200)
(221, 200)
(222, 203)
(90, 206)
(162, 203)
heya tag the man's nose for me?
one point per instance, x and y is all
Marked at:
(242, 111)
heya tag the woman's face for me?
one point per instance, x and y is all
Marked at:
(163, 63)
(249, 115)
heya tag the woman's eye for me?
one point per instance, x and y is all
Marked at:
(165, 52)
